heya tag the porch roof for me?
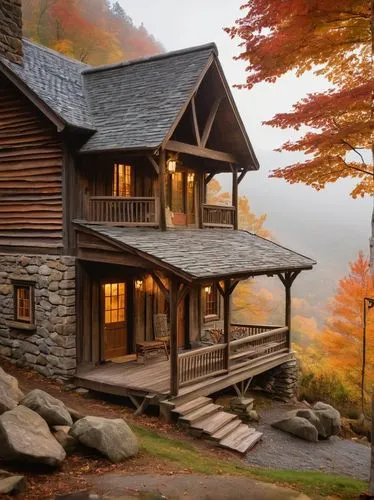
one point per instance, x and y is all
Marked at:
(200, 255)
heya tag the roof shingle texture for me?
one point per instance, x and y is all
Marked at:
(204, 253)
(57, 80)
(134, 105)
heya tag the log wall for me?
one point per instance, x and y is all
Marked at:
(31, 159)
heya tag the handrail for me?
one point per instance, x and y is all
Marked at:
(269, 327)
(258, 336)
(218, 215)
(226, 207)
(202, 350)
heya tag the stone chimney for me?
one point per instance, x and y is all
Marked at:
(11, 30)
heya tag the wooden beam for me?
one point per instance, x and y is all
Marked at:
(234, 285)
(235, 197)
(154, 164)
(209, 123)
(220, 289)
(181, 147)
(201, 187)
(182, 292)
(161, 286)
(194, 121)
(242, 175)
(227, 321)
(287, 279)
(161, 181)
(209, 177)
(173, 310)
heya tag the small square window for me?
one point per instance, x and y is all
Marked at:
(24, 302)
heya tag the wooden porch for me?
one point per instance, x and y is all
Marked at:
(201, 371)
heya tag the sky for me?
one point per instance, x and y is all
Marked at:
(327, 225)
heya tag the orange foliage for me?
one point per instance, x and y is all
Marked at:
(342, 338)
(89, 30)
(334, 40)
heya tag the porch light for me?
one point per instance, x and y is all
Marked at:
(190, 177)
(138, 284)
(172, 163)
(208, 289)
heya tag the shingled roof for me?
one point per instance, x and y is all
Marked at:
(56, 80)
(207, 254)
(134, 104)
(126, 106)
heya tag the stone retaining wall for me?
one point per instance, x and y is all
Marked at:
(281, 381)
(51, 348)
(11, 30)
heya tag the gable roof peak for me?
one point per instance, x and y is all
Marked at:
(198, 48)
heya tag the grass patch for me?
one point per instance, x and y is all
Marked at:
(187, 456)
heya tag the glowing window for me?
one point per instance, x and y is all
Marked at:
(122, 180)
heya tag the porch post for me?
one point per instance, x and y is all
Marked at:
(235, 197)
(287, 279)
(161, 181)
(227, 321)
(173, 307)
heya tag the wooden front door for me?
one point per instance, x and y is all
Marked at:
(115, 320)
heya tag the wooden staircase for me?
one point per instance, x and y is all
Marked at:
(207, 420)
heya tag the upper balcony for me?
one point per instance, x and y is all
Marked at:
(145, 212)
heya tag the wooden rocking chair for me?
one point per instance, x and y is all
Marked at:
(161, 340)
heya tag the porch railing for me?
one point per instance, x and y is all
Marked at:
(243, 351)
(249, 330)
(217, 359)
(218, 216)
(118, 211)
(197, 365)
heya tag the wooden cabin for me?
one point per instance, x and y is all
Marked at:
(114, 268)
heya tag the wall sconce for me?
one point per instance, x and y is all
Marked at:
(208, 289)
(172, 163)
(190, 177)
(138, 284)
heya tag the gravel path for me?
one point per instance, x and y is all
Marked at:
(283, 451)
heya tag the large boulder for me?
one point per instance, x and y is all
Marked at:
(51, 409)
(312, 417)
(10, 393)
(298, 426)
(330, 422)
(25, 437)
(112, 437)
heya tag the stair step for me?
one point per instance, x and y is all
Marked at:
(203, 412)
(227, 429)
(249, 442)
(236, 437)
(213, 423)
(195, 404)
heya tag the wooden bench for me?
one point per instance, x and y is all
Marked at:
(149, 347)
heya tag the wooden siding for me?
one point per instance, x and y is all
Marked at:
(30, 174)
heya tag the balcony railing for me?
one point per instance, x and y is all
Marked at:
(218, 216)
(130, 212)
(200, 364)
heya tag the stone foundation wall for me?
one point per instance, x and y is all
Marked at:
(11, 30)
(280, 382)
(50, 348)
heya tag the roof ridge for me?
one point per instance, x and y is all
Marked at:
(95, 69)
(55, 53)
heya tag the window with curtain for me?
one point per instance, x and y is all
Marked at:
(122, 180)
(24, 302)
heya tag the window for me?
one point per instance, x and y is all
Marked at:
(23, 302)
(115, 299)
(122, 180)
(211, 302)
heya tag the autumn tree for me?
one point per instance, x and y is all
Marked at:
(342, 338)
(92, 31)
(334, 40)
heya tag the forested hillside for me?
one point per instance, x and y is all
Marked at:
(93, 31)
